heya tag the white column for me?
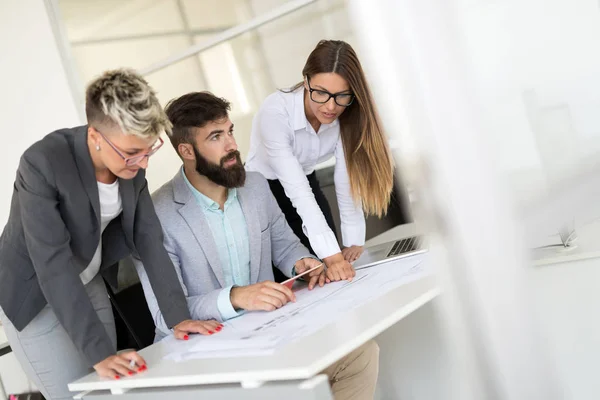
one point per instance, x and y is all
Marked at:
(36, 98)
(421, 81)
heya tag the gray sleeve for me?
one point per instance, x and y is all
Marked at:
(201, 307)
(286, 248)
(47, 240)
(162, 277)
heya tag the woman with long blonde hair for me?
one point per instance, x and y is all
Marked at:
(330, 113)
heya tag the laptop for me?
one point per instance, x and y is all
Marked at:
(390, 251)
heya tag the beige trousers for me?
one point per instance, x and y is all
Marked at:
(354, 377)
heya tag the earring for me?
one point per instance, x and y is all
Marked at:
(97, 147)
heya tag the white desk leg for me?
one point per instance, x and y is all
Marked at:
(252, 384)
(313, 382)
(118, 391)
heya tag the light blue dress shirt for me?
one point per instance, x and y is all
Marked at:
(230, 232)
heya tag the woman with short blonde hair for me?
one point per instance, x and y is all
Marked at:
(80, 204)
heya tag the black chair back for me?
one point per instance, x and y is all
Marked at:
(134, 324)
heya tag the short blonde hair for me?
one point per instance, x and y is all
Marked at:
(122, 97)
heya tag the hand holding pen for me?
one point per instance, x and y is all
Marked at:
(122, 364)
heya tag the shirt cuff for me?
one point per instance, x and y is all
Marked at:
(324, 244)
(224, 305)
(354, 234)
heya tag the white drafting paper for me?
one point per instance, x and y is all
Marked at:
(261, 333)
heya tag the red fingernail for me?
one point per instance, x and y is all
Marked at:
(186, 337)
(210, 332)
(142, 368)
(218, 328)
(117, 377)
(130, 372)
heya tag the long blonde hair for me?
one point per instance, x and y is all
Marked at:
(368, 159)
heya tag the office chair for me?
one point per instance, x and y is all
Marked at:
(133, 320)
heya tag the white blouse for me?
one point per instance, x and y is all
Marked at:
(284, 146)
(110, 208)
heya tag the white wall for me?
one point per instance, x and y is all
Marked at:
(36, 100)
(287, 42)
(97, 20)
(535, 71)
(36, 96)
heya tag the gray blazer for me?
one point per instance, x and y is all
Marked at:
(53, 231)
(191, 246)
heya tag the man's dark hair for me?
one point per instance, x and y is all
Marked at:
(194, 110)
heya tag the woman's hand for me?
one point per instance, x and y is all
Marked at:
(184, 328)
(352, 253)
(121, 365)
(338, 269)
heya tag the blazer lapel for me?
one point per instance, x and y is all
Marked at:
(86, 169)
(254, 234)
(194, 216)
(128, 203)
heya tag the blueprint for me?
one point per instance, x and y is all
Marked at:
(262, 333)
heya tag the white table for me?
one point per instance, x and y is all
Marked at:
(291, 363)
(587, 246)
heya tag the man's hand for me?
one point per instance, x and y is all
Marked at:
(184, 328)
(314, 277)
(352, 253)
(119, 365)
(266, 296)
(338, 269)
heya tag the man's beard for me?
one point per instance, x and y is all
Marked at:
(229, 177)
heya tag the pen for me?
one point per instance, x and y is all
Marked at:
(132, 364)
(290, 281)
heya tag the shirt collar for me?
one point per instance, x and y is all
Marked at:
(206, 202)
(300, 121)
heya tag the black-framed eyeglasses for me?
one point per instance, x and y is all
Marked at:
(323, 96)
(133, 160)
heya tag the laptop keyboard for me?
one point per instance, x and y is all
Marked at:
(405, 246)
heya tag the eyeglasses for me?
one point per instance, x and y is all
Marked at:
(323, 96)
(134, 160)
